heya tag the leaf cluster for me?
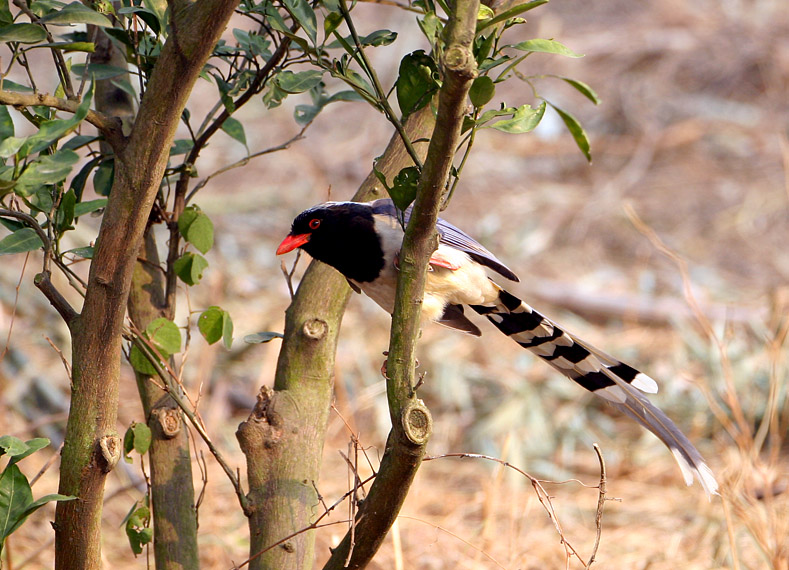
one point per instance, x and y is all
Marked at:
(16, 496)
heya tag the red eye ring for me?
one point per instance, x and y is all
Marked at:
(314, 223)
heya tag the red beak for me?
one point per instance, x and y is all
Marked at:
(291, 242)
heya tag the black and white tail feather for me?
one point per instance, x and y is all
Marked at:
(362, 241)
(618, 383)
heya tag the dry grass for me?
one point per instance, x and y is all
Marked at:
(692, 137)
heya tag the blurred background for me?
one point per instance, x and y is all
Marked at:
(670, 251)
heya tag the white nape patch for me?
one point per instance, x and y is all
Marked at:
(644, 383)
(588, 364)
(613, 394)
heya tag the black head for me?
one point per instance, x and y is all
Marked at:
(341, 234)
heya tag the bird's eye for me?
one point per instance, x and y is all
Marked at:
(314, 223)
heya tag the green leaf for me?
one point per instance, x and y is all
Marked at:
(23, 33)
(31, 446)
(523, 120)
(181, 146)
(546, 46)
(84, 47)
(577, 131)
(417, 81)
(485, 12)
(65, 212)
(139, 361)
(302, 12)
(40, 502)
(197, 228)
(189, 268)
(13, 446)
(77, 13)
(235, 129)
(5, 14)
(42, 199)
(215, 323)
(90, 206)
(166, 338)
(83, 252)
(15, 498)
(52, 130)
(482, 48)
(137, 438)
(482, 91)
(299, 82)
(99, 71)
(11, 225)
(377, 38)
(137, 531)
(511, 13)
(9, 85)
(10, 146)
(78, 141)
(165, 335)
(141, 437)
(403, 190)
(584, 89)
(47, 169)
(20, 241)
(104, 177)
(261, 337)
(159, 9)
(431, 27)
(380, 175)
(331, 23)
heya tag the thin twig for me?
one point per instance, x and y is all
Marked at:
(244, 161)
(65, 362)
(50, 462)
(542, 494)
(111, 127)
(289, 274)
(314, 525)
(598, 519)
(168, 376)
(382, 99)
(13, 310)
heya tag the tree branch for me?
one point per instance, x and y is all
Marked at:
(97, 340)
(110, 127)
(411, 422)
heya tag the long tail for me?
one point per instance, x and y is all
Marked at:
(621, 385)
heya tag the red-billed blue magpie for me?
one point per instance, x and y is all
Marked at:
(362, 241)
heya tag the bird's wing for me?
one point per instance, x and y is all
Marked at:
(453, 237)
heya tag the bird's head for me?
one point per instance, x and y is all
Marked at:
(341, 234)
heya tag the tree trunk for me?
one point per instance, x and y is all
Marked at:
(283, 437)
(92, 444)
(172, 487)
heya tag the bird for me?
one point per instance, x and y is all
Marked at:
(362, 241)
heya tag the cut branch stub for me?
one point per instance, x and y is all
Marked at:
(315, 329)
(459, 60)
(169, 420)
(417, 422)
(110, 447)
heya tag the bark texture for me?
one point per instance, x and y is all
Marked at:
(283, 437)
(92, 444)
